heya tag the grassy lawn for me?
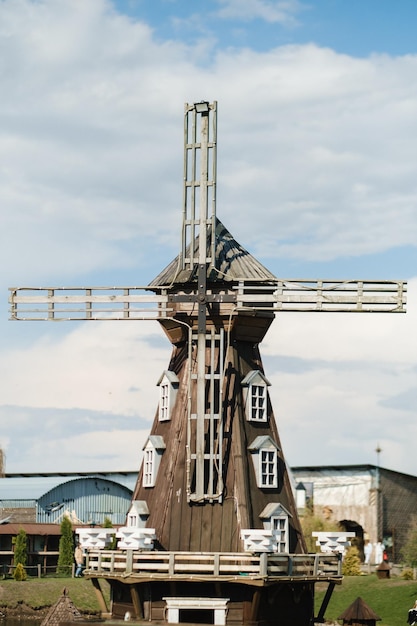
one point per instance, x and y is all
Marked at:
(390, 598)
(42, 592)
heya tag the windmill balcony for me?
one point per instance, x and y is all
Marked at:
(204, 566)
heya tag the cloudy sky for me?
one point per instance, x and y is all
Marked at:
(317, 123)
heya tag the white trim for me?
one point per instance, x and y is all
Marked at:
(149, 467)
(281, 531)
(152, 453)
(218, 605)
(255, 394)
(168, 386)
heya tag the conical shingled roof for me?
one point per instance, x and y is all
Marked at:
(63, 610)
(233, 263)
(359, 613)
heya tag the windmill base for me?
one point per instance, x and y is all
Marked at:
(287, 603)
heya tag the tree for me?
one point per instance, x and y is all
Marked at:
(21, 548)
(20, 572)
(66, 548)
(409, 551)
(352, 562)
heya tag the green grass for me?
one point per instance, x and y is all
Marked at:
(43, 592)
(389, 598)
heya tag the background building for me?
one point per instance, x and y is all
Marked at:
(87, 498)
(376, 503)
(37, 504)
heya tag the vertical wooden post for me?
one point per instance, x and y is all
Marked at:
(129, 561)
(100, 597)
(136, 602)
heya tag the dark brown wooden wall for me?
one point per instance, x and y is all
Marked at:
(181, 525)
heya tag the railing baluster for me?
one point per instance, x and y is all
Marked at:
(171, 564)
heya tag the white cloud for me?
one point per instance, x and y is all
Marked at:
(273, 11)
(342, 398)
(94, 366)
(317, 144)
(316, 163)
(111, 450)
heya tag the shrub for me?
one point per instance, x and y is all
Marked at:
(352, 562)
(407, 574)
(20, 572)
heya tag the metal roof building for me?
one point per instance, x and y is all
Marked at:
(88, 498)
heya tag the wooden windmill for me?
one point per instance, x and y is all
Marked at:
(213, 493)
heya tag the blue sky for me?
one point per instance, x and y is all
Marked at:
(316, 177)
(357, 27)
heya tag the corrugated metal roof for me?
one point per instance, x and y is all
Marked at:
(233, 263)
(34, 486)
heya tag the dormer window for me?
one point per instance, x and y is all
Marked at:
(265, 461)
(276, 518)
(255, 392)
(168, 387)
(137, 514)
(152, 454)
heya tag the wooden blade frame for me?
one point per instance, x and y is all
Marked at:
(137, 303)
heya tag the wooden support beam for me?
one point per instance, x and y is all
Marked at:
(137, 605)
(100, 598)
(324, 604)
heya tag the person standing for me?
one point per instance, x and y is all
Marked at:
(379, 552)
(368, 552)
(79, 561)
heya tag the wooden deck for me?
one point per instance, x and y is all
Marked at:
(204, 566)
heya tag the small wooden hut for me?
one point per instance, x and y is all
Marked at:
(359, 614)
(64, 610)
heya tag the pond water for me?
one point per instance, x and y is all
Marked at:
(15, 621)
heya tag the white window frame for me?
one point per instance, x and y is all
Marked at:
(264, 452)
(137, 514)
(279, 523)
(164, 402)
(258, 398)
(152, 454)
(132, 519)
(268, 468)
(276, 518)
(149, 467)
(168, 387)
(255, 391)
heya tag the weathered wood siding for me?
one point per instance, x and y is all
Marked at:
(181, 525)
